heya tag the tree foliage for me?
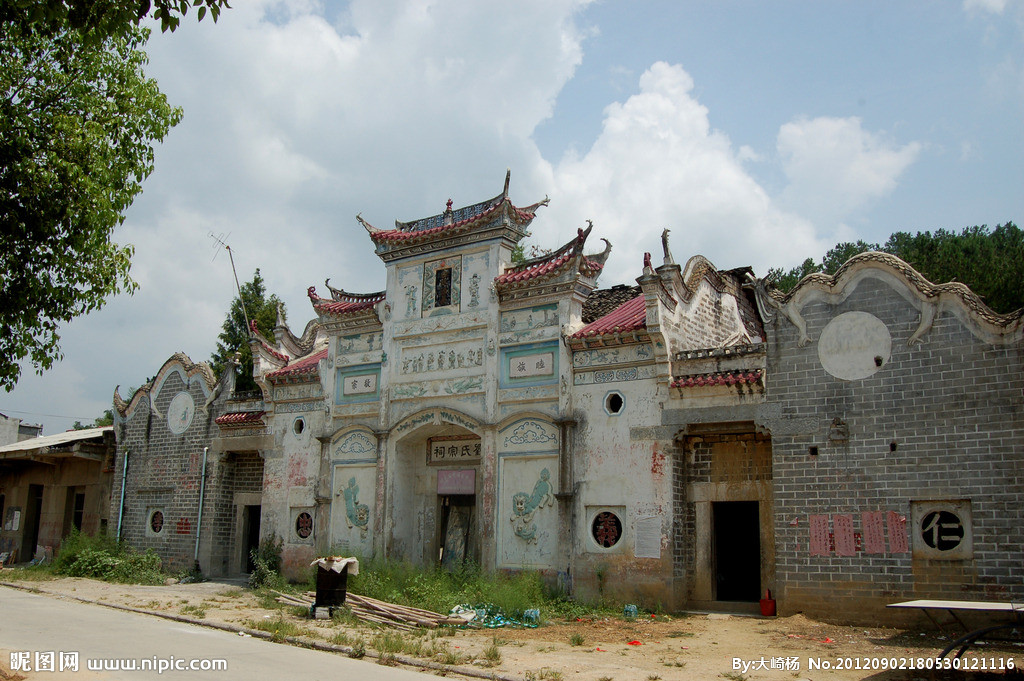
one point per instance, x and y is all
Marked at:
(99, 19)
(989, 262)
(234, 336)
(106, 420)
(78, 120)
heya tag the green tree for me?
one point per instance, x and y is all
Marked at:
(102, 18)
(989, 262)
(234, 336)
(78, 120)
(106, 420)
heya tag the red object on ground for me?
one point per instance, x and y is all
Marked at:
(634, 643)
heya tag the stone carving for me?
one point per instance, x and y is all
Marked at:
(356, 443)
(356, 514)
(408, 391)
(524, 506)
(529, 318)
(410, 300)
(474, 290)
(463, 385)
(629, 353)
(442, 360)
(530, 432)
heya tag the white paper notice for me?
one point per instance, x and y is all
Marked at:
(648, 537)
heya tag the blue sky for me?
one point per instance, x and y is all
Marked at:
(759, 133)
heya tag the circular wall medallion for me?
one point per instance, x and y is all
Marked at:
(854, 345)
(180, 413)
(156, 522)
(304, 525)
(606, 529)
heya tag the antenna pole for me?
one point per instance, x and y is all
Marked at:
(220, 241)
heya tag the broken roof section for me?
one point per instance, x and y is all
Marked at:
(497, 217)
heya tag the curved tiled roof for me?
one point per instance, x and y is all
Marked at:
(342, 302)
(240, 418)
(743, 377)
(629, 316)
(306, 365)
(565, 258)
(427, 228)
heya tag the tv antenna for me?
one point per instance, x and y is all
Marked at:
(219, 243)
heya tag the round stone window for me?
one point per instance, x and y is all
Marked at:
(156, 522)
(298, 426)
(606, 529)
(304, 525)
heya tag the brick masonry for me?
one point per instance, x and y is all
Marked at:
(941, 420)
(165, 474)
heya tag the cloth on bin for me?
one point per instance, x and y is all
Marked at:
(487, 615)
(337, 563)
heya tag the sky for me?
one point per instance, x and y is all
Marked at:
(759, 133)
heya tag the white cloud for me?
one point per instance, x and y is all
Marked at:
(993, 6)
(835, 167)
(658, 164)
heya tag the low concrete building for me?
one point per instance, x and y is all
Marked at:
(51, 484)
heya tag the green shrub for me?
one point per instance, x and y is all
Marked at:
(101, 557)
(266, 564)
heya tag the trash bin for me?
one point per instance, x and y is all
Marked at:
(332, 582)
(330, 587)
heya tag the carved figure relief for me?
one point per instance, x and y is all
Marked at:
(356, 514)
(410, 300)
(524, 506)
(442, 361)
(474, 290)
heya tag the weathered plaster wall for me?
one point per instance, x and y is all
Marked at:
(627, 474)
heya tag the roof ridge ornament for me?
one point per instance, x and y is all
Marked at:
(665, 249)
(366, 225)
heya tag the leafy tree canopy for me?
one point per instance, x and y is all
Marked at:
(989, 262)
(234, 336)
(106, 420)
(78, 120)
(99, 19)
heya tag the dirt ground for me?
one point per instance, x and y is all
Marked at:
(687, 646)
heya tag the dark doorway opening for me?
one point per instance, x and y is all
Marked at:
(737, 541)
(456, 520)
(30, 533)
(250, 534)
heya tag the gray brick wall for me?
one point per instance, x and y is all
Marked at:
(164, 471)
(953, 406)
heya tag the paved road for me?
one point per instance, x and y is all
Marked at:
(42, 624)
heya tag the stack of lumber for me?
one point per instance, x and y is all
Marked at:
(374, 611)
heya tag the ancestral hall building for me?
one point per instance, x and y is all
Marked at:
(688, 441)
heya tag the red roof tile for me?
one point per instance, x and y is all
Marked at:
(742, 377)
(240, 418)
(345, 304)
(629, 316)
(399, 235)
(306, 365)
(273, 352)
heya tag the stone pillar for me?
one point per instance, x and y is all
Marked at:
(382, 510)
(489, 498)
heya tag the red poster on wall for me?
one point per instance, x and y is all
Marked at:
(819, 535)
(842, 526)
(898, 533)
(874, 531)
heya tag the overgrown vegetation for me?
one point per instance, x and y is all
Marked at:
(266, 565)
(440, 590)
(102, 557)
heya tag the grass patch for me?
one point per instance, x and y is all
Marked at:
(278, 627)
(577, 640)
(492, 654)
(196, 610)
